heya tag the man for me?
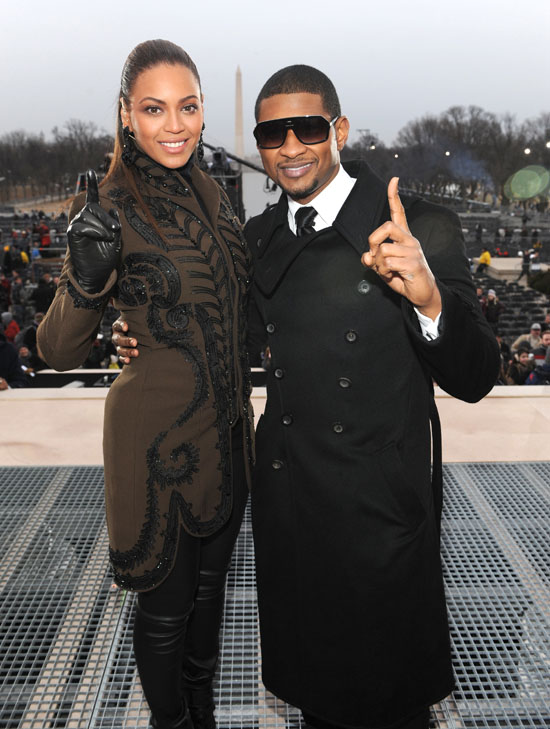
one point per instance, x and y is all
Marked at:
(484, 261)
(43, 295)
(531, 340)
(12, 375)
(540, 352)
(346, 518)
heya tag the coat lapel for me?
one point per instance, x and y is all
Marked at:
(278, 248)
(364, 210)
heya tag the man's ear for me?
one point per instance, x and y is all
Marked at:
(341, 127)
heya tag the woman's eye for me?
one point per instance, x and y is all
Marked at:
(152, 109)
(190, 108)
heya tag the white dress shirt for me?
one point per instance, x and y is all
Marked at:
(327, 204)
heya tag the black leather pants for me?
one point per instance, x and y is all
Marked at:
(176, 628)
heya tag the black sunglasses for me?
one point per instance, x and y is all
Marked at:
(309, 130)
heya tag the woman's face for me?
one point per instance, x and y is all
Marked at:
(165, 114)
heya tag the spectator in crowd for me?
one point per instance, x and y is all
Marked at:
(525, 266)
(28, 340)
(492, 308)
(546, 323)
(479, 233)
(45, 239)
(12, 374)
(480, 296)
(5, 292)
(18, 300)
(541, 372)
(505, 356)
(484, 261)
(520, 367)
(10, 326)
(539, 353)
(530, 340)
(43, 296)
(97, 354)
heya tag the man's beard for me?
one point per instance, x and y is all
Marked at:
(301, 194)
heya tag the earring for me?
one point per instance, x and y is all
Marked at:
(200, 147)
(126, 146)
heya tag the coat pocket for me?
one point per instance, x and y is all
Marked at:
(400, 486)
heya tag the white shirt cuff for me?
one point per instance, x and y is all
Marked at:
(429, 327)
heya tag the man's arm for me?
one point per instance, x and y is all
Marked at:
(434, 277)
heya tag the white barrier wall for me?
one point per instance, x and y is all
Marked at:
(64, 426)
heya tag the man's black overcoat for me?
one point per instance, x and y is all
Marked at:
(346, 519)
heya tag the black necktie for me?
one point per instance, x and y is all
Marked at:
(304, 218)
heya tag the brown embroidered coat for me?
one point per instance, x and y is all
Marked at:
(168, 416)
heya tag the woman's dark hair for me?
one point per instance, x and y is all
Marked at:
(300, 79)
(144, 56)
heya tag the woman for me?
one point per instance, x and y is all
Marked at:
(519, 368)
(492, 308)
(177, 433)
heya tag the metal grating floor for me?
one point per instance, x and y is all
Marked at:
(65, 632)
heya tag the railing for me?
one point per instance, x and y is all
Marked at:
(104, 378)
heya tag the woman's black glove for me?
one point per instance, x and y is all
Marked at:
(94, 240)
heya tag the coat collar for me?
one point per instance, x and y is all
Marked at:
(174, 183)
(364, 210)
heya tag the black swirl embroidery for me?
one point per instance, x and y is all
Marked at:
(215, 262)
(82, 302)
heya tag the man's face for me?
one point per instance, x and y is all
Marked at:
(546, 339)
(302, 170)
(535, 332)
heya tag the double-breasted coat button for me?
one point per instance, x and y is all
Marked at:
(270, 327)
(337, 428)
(276, 465)
(344, 383)
(287, 419)
(351, 335)
(363, 287)
(279, 373)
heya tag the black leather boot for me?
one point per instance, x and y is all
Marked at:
(201, 649)
(182, 722)
(158, 649)
(201, 707)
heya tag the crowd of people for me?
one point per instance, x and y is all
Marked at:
(526, 360)
(27, 289)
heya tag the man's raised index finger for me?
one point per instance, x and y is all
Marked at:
(92, 190)
(397, 210)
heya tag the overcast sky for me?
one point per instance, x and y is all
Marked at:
(390, 61)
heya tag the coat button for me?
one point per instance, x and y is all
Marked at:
(287, 419)
(279, 373)
(276, 465)
(363, 287)
(344, 382)
(259, 242)
(337, 428)
(270, 327)
(351, 336)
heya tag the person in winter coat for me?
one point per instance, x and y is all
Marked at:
(345, 512)
(11, 327)
(161, 238)
(492, 308)
(11, 373)
(519, 368)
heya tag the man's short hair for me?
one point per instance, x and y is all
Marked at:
(300, 79)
